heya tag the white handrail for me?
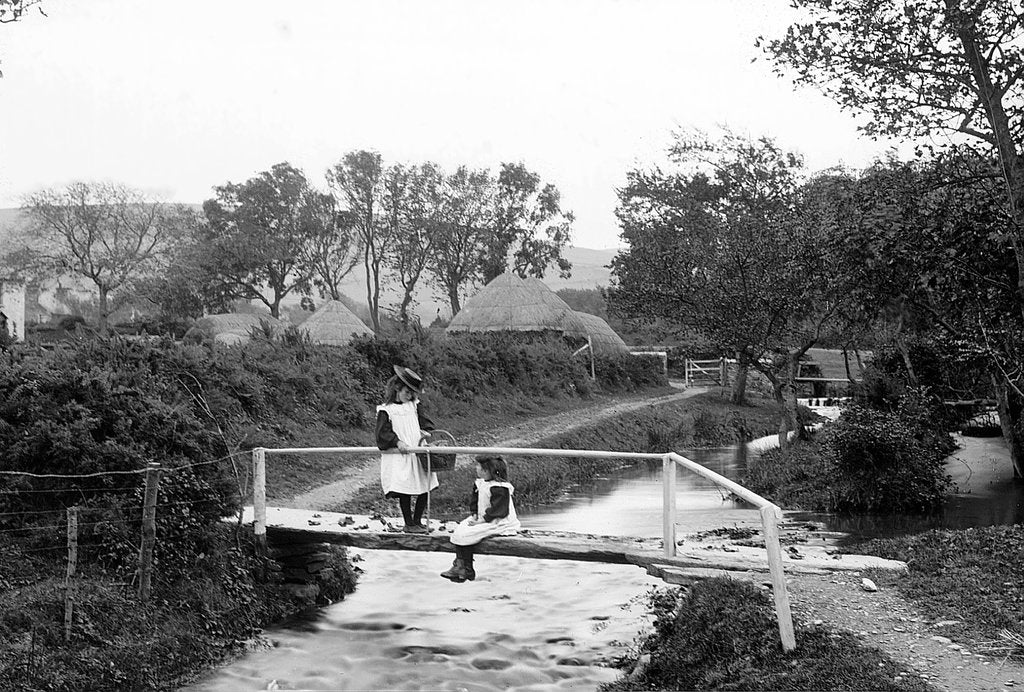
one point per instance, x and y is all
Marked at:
(770, 513)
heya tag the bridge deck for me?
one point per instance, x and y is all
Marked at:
(694, 556)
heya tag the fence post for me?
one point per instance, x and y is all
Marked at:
(723, 372)
(770, 522)
(148, 530)
(259, 499)
(668, 475)
(69, 583)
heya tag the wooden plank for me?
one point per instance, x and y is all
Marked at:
(301, 526)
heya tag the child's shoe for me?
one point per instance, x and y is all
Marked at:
(416, 528)
(457, 572)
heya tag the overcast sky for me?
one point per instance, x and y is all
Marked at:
(176, 97)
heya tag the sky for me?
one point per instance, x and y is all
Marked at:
(178, 97)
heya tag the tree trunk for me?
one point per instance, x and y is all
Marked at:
(275, 307)
(739, 385)
(901, 344)
(453, 300)
(104, 308)
(403, 310)
(1011, 407)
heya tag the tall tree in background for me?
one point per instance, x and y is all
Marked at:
(707, 244)
(358, 182)
(419, 231)
(530, 229)
(257, 235)
(106, 232)
(335, 252)
(463, 230)
(919, 68)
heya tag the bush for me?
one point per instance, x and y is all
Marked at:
(722, 635)
(885, 462)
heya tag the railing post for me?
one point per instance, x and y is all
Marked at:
(770, 521)
(259, 499)
(668, 476)
(148, 530)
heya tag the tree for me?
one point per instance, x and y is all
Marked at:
(418, 228)
(359, 182)
(703, 243)
(107, 232)
(334, 253)
(257, 235)
(528, 223)
(463, 229)
(917, 68)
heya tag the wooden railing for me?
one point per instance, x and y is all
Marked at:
(770, 513)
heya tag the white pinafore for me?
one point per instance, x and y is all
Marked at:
(402, 473)
(471, 534)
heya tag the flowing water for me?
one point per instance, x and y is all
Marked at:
(545, 624)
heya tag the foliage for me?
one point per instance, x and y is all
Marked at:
(971, 576)
(868, 461)
(529, 223)
(211, 608)
(258, 234)
(722, 635)
(106, 232)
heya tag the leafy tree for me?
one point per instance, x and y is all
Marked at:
(463, 229)
(107, 232)
(333, 254)
(257, 235)
(529, 223)
(917, 68)
(358, 182)
(417, 229)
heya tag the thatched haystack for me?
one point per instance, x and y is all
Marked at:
(333, 324)
(510, 303)
(602, 337)
(232, 328)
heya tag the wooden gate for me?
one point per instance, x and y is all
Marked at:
(707, 373)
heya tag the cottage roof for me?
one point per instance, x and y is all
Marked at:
(333, 324)
(510, 303)
(602, 337)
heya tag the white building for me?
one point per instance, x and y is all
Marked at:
(12, 304)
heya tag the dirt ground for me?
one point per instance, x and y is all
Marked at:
(881, 618)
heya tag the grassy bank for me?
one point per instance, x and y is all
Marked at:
(722, 635)
(705, 420)
(969, 579)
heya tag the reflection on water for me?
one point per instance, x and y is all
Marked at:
(546, 624)
(522, 625)
(629, 502)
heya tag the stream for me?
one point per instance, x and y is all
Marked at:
(546, 624)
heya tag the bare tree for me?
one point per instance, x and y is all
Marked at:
(106, 232)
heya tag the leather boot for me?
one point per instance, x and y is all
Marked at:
(467, 568)
(456, 572)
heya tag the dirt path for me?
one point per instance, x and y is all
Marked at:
(881, 619)
(366, 471)
(885, 620)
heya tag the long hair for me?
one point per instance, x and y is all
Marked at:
(494, 465)
(391, 391)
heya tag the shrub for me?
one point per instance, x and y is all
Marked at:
(722, 635)
(884, 462)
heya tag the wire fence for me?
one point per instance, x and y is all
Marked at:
(96, 524)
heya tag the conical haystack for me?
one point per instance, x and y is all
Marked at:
(509, 303)
(233, 327)
(333, 324)
(602, 337)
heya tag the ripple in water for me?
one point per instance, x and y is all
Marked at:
(522, 625)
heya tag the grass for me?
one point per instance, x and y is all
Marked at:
(722, 635)
(970, 577)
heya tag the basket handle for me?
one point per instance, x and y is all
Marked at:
(444, 434)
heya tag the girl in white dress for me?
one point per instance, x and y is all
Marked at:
(494, 514)
(400, 425)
